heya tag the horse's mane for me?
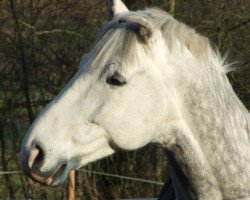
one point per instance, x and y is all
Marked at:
(119, 39)
(179, 33)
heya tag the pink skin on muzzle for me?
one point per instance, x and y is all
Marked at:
(29, 166)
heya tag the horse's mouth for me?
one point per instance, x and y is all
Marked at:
(55, 179)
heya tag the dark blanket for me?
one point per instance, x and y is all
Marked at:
(167, 192)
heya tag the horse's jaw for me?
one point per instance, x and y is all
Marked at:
(61, 174)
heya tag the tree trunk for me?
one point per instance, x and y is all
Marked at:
(22, 58)
(111, 13)
(5, 165)
(172, 7)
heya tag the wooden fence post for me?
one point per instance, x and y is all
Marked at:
(71, 185)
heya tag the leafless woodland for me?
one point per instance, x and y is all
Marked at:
(41, 44)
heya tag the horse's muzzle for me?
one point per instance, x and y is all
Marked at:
(32, 163)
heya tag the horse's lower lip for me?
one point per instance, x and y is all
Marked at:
(57, 174)
(50, 180)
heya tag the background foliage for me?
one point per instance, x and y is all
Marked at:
(41, 44)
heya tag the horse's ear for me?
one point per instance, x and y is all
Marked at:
(116, 7)
(139, 25)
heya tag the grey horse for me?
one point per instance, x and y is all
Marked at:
(148, 78)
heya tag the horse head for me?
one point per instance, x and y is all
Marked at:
(118, 99)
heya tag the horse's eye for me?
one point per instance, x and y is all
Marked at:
(116, 79)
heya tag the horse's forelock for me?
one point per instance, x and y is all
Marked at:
(117, 42)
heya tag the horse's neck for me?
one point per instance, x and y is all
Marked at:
(213, 110)
(212, 155)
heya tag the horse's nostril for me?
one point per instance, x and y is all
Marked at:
(35, 157)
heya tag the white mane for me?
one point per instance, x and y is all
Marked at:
(177, 35)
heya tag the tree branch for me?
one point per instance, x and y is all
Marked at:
(45, 32)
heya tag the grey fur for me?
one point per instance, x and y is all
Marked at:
(220, 123)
